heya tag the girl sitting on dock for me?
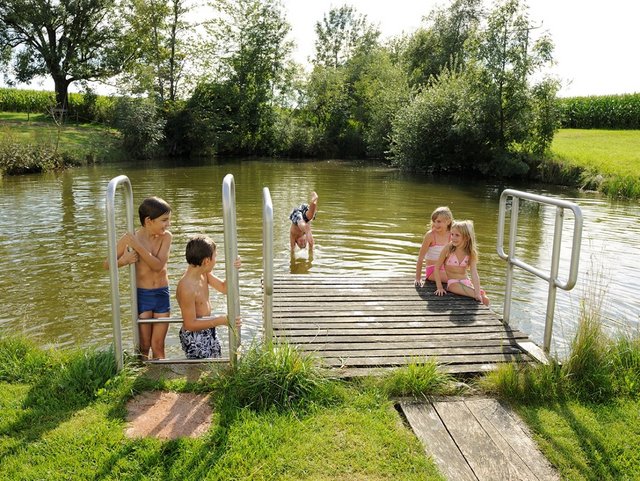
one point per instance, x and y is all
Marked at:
(457, 257)
(434, 241)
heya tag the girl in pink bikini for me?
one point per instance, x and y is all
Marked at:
(434, 241)
(458, 257)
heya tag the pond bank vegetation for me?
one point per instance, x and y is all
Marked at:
(279, 415)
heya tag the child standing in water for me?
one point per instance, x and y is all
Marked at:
(300, 230)
(149, 249)
(457, 257)
(198, 336)
(434, 241)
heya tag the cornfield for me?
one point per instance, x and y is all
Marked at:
(601, 112)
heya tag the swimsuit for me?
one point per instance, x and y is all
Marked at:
(453, 261)
(299, 214)
(154, 300)
(433, 254)
(200, 344)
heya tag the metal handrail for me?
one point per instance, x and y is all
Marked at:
(231, 253)
(552, 276)
(267, 263)
(113, 264)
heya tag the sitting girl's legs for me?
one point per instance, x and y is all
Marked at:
(464, 287)
(431, 269)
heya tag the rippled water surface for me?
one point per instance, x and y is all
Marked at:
(371, 221)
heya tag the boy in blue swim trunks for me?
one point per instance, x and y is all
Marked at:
(198, 333)
(149, 248)
(301, 217)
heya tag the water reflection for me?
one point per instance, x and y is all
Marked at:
(371, 220)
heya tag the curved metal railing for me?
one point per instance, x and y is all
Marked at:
(113, 264)
(552, 276)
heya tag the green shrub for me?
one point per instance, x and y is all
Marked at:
(273, 376)
(141, 126)
(17, 158)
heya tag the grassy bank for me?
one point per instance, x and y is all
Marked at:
(32, 143)
(606, 160)
(62, 416)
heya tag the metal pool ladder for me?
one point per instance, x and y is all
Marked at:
(552, 276)
(231, 252)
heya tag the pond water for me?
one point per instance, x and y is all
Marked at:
(371, 220)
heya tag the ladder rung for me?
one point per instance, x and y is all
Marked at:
(171, 320)
(184, 360)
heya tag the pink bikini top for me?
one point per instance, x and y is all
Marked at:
(452, 260)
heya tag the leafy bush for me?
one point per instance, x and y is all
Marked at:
(17, 158)
(141, 126)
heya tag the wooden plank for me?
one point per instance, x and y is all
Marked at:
(496, 335)
(476, 446)
(390, 344)
(330, 351)
(437, 442)
(403, 360)
(373, 323)
(335, 331)
(512, 438)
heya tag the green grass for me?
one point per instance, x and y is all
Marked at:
(79, 142)
(52, 428)
(612, 152)
(588, 441)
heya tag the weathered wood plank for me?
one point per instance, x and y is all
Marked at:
(512, 438)
(403, 360)
(390, 344)
(476, 446)
(336, 331)
(497, 335)
(437, 443)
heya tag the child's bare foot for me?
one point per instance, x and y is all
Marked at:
(314, 197)
(485, 299)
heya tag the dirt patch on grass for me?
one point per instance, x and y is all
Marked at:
(168, 415)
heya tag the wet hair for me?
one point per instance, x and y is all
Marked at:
(199, 248)
(152, 207)
(442, 212)
(465, 227)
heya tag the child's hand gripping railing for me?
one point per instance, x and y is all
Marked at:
(552, 276)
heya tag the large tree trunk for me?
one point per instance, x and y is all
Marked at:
(62, 92)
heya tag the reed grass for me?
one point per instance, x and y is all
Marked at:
(274, 376)
(419, 379)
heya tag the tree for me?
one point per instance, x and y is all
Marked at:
(69, 40)
(165, 42)
(508, 60)
(250, 51)
(341, 33)
(442, 44)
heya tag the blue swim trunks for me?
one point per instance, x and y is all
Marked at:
(155, 300)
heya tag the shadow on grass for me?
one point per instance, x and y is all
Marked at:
(57, 393)
(596, 462)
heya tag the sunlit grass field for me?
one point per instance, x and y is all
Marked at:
(76, 140)
(613, 152)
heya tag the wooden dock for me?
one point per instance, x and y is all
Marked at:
(477, 439)
(362, 325)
